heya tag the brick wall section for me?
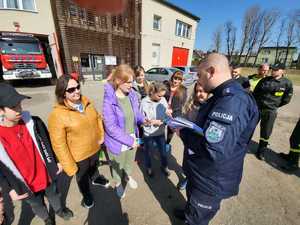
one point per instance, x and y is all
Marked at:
(83, 31)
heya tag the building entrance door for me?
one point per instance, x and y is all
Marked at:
(180, 56)
(155, 54)
(92, 66)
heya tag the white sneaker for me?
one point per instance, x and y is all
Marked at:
(132, 183)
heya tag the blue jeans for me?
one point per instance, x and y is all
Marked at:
(149, 146)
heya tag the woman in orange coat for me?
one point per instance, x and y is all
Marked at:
(76, 133)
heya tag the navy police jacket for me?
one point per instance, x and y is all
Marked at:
(213, 163)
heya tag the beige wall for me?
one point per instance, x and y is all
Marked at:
(39, 22)
(272, 53)
(166, 37)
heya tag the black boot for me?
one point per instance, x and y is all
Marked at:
(49, 221)
(260, 154)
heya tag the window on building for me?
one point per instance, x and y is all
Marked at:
(183, 29)
(12, 4)
(267, 52)
(18, 4)
(28, 5)
(156, 22)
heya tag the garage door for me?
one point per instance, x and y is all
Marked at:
(180, 56)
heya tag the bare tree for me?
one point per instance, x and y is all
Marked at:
(279, 38)
(254, 30)
(269, 18)
(217, 39)
(230, 36)
(247, 28)
(297, 17)
(291, 36)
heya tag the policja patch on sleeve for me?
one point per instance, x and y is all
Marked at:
(215, 132)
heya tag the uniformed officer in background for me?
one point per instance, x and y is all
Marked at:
(271, 93)
(263, 71)
(236, 74)
(213, 163)
(292, 157)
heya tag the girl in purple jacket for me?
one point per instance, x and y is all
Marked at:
(121, 118)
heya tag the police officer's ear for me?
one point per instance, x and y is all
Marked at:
(211, 70)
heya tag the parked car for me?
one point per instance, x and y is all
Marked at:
(192, 70)
(164, 74)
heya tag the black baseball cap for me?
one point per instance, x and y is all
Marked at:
(9, 97)
(235, 66)
(278, 66)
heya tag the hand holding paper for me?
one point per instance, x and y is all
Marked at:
(179, 123)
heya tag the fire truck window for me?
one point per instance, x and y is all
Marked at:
(21, 48)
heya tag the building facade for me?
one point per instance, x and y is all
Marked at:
(30, 17)
(277, 54)
(167, 34)
(93, 43)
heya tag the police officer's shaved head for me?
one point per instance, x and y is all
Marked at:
(263, 70)
(213, 71)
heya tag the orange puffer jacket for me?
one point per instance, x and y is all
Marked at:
(75, 136)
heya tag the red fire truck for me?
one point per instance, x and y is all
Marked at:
(22, 57)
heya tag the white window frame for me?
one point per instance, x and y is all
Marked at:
(159, 22)
(20, 6)
(183, 29)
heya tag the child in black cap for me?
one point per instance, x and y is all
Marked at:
(27, 162)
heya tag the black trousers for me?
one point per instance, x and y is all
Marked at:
(200, 207)
(267, 121)
(295, 145)
(87, 170)
(170, 134)
(37, 203)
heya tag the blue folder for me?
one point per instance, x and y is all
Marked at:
(179, 123)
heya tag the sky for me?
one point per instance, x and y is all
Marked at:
(215, 13)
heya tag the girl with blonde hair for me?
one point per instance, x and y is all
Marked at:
(121, 119)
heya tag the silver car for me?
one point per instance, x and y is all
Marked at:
(192, 70)
(164, 74)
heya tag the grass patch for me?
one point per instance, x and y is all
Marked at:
(293, 75)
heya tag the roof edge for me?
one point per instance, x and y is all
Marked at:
(274, 47)
(177, 8)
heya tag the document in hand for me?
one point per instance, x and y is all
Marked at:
(179, 123)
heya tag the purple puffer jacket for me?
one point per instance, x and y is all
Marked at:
(114, 120)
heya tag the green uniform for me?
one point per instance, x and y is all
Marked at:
(295, 145)
(270, 94)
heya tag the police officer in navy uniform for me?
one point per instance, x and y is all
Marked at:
(214, 162)
(292, 157)
(271, 93)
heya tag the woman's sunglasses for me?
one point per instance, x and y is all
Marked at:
(177, 78)
(71, 90)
